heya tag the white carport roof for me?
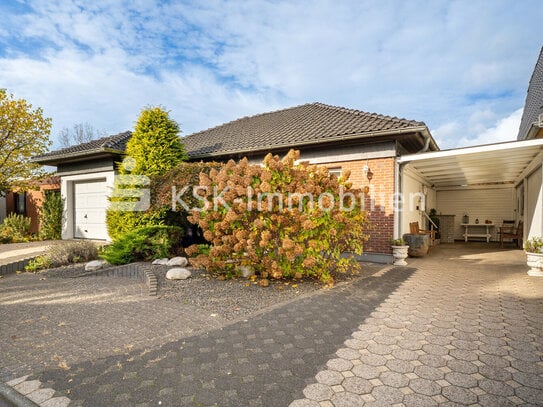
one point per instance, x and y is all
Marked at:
(491, 164)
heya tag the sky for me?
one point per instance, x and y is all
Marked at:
(462, 67)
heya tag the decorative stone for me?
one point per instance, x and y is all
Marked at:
(178, 274)
(95, 265)
(246, 271)
(160, 262)
(178, 261)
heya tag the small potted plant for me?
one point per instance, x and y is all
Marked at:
(399, 251)
(534, 256)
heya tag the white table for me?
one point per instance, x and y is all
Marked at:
(487, 226)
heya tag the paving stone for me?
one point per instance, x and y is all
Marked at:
(27, 387)
(461, 379)
(529, 395)
(425, 387)
(400, 366)
(366, 372)
(459, 395)
(418, 400)
(387, 395)
(40, 395)
(357, 385)
(16, 381)
(318, 392)
(490, 400)
(349, 354)
(56, 402)
(497, 388)
(429, 372)
(339, 364)
(394, 379)
(329, 377)
(347, 399)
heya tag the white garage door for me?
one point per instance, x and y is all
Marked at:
(90, 203)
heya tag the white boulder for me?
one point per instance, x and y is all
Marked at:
(161, 262)
(178, 261)
(95, 265)
(178, 274)
(246, 271)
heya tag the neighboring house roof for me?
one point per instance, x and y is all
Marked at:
(309, 124)
(115, 144)
(534, 102)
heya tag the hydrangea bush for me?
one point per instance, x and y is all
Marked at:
(283, 218)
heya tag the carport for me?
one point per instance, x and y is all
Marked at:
(492, 183)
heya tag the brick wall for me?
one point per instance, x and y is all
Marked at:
(381, 211)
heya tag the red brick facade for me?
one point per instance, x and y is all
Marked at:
(381, 192)
(33, 201)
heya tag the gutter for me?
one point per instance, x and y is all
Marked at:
(427, 140)
(55, 158)
(418, 129)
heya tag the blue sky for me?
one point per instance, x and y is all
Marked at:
(462, 67)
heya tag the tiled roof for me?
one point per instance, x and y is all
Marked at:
(312, 123)
(307, 124)
(115, 143)
(534, 100)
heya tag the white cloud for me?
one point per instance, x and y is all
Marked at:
(454, 134)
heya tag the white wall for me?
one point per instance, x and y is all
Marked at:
(413, 188)
(533, 205)
(495, 204)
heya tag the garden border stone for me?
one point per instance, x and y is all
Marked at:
(15, 266)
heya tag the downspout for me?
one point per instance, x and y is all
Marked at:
(398, 201)
(427, 140)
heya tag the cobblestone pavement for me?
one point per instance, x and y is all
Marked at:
(52, 322)
(455, 328)
(461, 332)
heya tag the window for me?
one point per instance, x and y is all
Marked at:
(335, 171)
(20, 203)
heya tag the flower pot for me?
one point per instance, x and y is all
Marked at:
(418, 244)
(535, 261)
(400, 254)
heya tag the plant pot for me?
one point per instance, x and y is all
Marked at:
(400, 254)
(418, 244)
(535, 261)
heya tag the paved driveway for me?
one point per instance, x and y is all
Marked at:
(463, 326)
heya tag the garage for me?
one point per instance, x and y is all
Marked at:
(90, 203)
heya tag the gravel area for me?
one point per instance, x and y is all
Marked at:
(238, 297)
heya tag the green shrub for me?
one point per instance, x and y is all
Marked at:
(63, 254)
(153, 149)
(51, 216)
(142, 244)
(160, 212)
(16, 228)
(534, 245)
